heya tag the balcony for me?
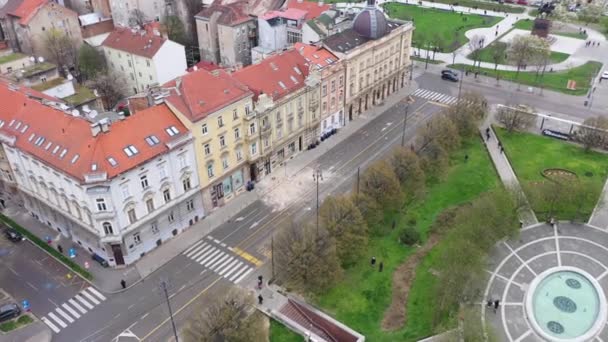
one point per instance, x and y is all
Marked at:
(300, 110)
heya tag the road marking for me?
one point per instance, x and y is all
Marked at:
(219, 266)
(247, 256)
(77, 306)
(224, 257)
(57, 320)
(209, 237)
(87, 304)
(236, 274)
(130, 306)
(95, 292)
(212, 261)
(233, 269)
(243, 276)
(228, 266)
(89, 297)
(32, 286)
(203, 259)
(216, 241)
(144, 316)
(70, 310)
(198, 252)
(50, 325)
(12, 270)
(64, 315)
(192, 247)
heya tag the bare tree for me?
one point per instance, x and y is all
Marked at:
(61, 49)
(499, 54)
(138, 18)
(380, 183)
(475, 45)
(593, 133)
(407, 168)
(468, 113)
(514, 119)
(110, 86)
(521, 51)
(231, 317)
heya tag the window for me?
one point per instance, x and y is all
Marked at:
(204, 129)
(162, 172)
(171, 217)
(125, 192)
(324, 91)
(222, 141)
(210, 170)
(101, 204)
(112, 161)
(254, 149)
(167, 195)
(235, 114)
(150, 205)
(237, 133)
(172, 130)
(247, 109)
(182, 161)
(152, 140)
(140, 74)
(130, 150)
(220, 122)
(252, 128)
(239, 155)
(147, 62)
(136, 238)
(190, 205)
(333, 85)
(107, 228)
(144, 181)
(132, 216)
(225, 162)
(154, 227)
(75, 158)
(186, 183)
(207, 149)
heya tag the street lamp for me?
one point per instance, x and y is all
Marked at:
(316, 176)
(407, 107)
(163, 288)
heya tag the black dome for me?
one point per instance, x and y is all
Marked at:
(371, 23)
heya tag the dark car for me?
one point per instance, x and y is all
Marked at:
(448, 71)
(450, 77)
(9, 311)
(13, 235)
(100, 260)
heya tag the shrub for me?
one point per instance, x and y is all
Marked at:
(409, 235)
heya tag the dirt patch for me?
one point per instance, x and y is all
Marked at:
(396, 315)
(559, 175)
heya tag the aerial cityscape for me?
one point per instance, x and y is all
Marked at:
(303, 170)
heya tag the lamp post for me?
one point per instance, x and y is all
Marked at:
(407, 107)
(163, 287)
(317, 176)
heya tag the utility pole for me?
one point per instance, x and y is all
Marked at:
(407, 107)
(358, 173)
(163, 286)
(272, 254)
(460, 84)
(316, 176)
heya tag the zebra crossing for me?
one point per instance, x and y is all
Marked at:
(70, 311)
(435, 96)
(232, 264)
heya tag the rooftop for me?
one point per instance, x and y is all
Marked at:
(49, 84)
(316, 55)
(349, 39)
(230, 13)
(290, 13)
(136, 42)
(11, 57)
(312, 8)
(38, 68)
(83, 95)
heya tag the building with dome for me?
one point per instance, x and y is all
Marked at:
(376, 54)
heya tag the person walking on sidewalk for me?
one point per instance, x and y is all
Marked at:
(260, 299)
(123, 283)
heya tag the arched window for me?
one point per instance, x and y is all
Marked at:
(77, 210)
(107, 228)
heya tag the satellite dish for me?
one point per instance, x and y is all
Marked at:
(32, 59)
(75, 112)
(70, 77)
(40, 59)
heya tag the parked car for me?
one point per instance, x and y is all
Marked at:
(522, 2)
(103, 262)
(13, 235)
(604, 75)
(449, 71)
(450, 77)
(9, 311)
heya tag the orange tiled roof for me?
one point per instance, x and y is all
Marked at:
(318, 56)
(25, 10)
(137, 42)
(277, 75)
(314, 9)
(200, 93)
(65, 142)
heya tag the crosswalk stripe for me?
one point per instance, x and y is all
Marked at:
(196, 254)
(436, 96)
(89, 297)
(209, 237)
(233, 269)
(425, 93)
(83, 301)
(203, 259)
(224, 257)
(212, 260)
(220, 265)
(64, 315)
(236, 274)
(204, 255)
(228, 266)
(50, 325)
(77, 306)
(418, 91)
(97, 293)
(243, 276)
(192, 247)
(71, 311)
(57, 320)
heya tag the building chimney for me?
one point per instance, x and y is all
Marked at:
(105, 125)
(195, 68)
(321, 3)
(95, 129)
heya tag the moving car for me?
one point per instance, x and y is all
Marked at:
(13, 235)
(450, 76)
(604, 75)
(9, 311)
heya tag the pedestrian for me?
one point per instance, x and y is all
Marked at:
(496, 304)
(373, 261)
(490, 301)
(260, 299)
(2, 203)
(502, 150)
(466, 158)
(123, 283)
(488, 133)
(260, 281)
(394, 223)
(496, 34)
(60, 249)
(380, 267)
(521, 224)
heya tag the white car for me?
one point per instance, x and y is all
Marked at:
(604, 75)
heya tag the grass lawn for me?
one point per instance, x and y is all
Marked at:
(484, 5)
(530, 154)
(280, 333)
(423, 60)
(16, 323)
(485, 55)
(452, 28)
(362, 297)
(526, 24)
(556, 81)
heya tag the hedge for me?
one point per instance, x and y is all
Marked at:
(44, 245)
(14, 324)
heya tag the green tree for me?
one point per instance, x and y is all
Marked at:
(521, 51)
(61, 49)
(468, 113)
(498, 55)
(342, 219)
(90, 62)
(381, 184)
(369, 209)
(407, 168)
(174, 27)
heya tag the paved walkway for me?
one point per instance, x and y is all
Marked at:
(599, 217)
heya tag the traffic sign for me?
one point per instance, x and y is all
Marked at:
(72, 253)
(26, 305)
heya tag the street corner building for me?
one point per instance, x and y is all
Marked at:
(117, 186)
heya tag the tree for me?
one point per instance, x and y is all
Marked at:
(440, 129)
(381, 184)
(514, 119)
(498, 54)
(342, 219)
(541, 52)
(468, 113)
(306, 260)
(475, 45)
(174, 27)
(590, 13)
(90, 62)
(230, 317)
(406, 165)
(521, 51)
(61, 49)
(138, 18)
(593, 133)
(369, 209)
(110, 86)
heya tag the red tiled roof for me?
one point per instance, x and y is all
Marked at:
(316, 55)
(205, 65)
(290, 13)
(200, 93)
(314, 9)
(73, 134)
(231, 13)
(139, 43)
(277, 75)
(25, 10)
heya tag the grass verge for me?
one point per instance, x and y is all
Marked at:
(527, 24)
(557, 81)
(16, 323)
(361, 299)
(485, 55)
(42, 244)
(423, 60)
(483, 5)
(450, 34)
(280, 333)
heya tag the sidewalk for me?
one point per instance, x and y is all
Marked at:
(599, 216)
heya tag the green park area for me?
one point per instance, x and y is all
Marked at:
(280, 333)
(527, 24)
(490, 53)
(484, 5)
(23, 320)
(448, 36)
(536, 159)
(557, 80)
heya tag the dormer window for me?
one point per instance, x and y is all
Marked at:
(130, 150)
(62, 154)
(75, 158)
(112, 161)
(152, 140)
(172, 131)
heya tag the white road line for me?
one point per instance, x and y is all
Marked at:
(522, 337)
(423, 93)
(212, 260)
(77, 306)
(216, 241)
(95, 292)
(57, 320)
(64, 315)
(236, 274)
(559, 257)
(89, 297)
(228, 266)
(243, 276)
(219, 266)
(87, 304)
(196, 250)
(208, 256)
(193, 247)
(202, 254)
(418, 91)
(209, 237)
(223, 244)
(71, 311)
(233, 269)
(197, 254)
(220, 260)
(51, 325)
(436, 96)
